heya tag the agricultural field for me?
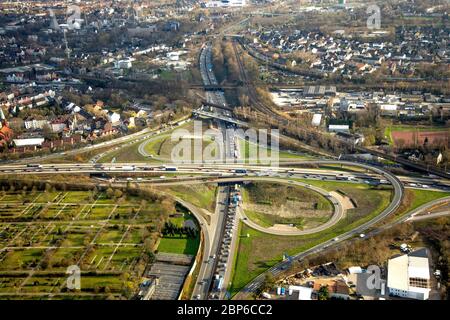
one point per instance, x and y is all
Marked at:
(268, 204)
(106, 234)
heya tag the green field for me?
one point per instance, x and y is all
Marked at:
(42, 233)
(260, 251)
(415, 198)
(125, 154)
(179, 244)
(200, 195)
(245, 146)
(130, 151)
(161, 147)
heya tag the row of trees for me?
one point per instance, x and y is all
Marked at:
(171, 229)
(224, 61)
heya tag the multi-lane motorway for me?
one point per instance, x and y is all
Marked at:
(209, 262)
(302, 169)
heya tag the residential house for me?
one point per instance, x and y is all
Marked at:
(113, 117)
(35, 124)
(389, 110)
(336, 288)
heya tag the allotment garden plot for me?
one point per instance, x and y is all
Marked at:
(43, 233)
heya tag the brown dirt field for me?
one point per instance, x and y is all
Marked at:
(412, 138)
(291, 209)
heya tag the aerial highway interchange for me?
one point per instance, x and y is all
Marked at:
(227, 172)
(220, 230)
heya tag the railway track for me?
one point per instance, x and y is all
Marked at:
(256, 103)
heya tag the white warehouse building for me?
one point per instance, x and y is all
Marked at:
(409, 275)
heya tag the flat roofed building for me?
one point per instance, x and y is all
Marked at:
(317, 119)
(304, 293)
(409, 275)
(28, 142)
(314, 91)
(339, 128)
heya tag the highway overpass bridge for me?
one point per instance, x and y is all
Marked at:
(213, 87)
(208, 114)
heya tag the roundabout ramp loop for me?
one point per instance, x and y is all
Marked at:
(338, 211)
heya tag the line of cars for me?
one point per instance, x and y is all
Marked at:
(102, 167)
(224, 255)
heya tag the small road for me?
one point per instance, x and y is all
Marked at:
(430, 216)
(144, 153)
(418, 214)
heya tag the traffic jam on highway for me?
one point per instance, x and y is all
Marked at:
(219, 171)
(223, 259)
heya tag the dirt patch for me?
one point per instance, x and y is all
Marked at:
(418, 138)
(282, 227)
(291, 209)
(345, 201)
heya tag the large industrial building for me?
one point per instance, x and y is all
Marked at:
(409, 275)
